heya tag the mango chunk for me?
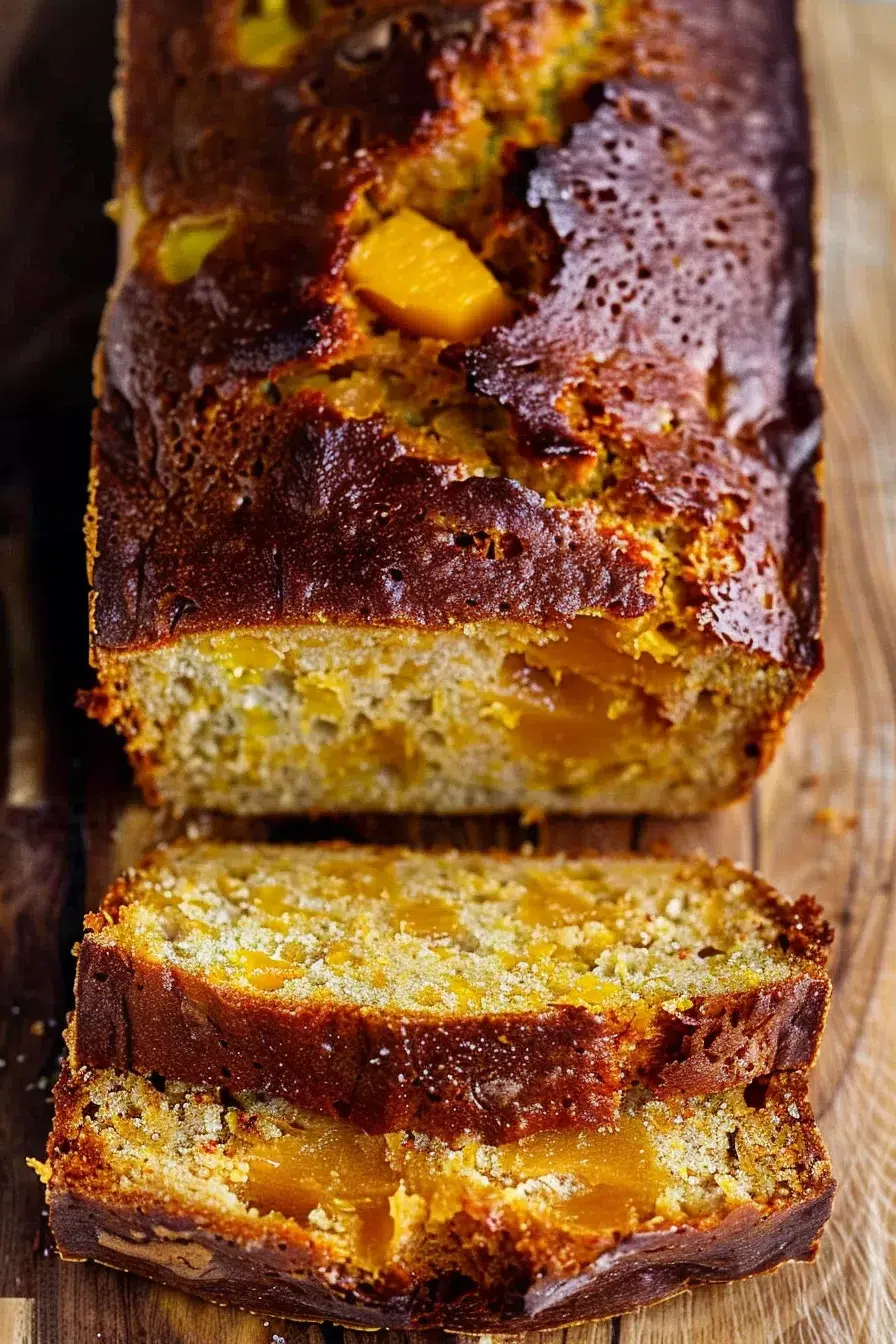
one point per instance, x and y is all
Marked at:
(268, 38)
(187, 243)
(656, 645)
(426, 280)
(239, 653)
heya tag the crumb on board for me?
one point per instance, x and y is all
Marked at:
(835, 821)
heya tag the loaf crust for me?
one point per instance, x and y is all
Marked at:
(497, 1075)
(710, 116)
(232, 1260)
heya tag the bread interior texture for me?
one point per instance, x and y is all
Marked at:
(424, 934)
(484, 718)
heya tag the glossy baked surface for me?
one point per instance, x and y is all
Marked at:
(656, 377)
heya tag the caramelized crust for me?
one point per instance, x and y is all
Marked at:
(473, 1254)
(385, 550)
(681, 313)
(161, 990)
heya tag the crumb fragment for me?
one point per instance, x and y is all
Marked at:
(533, 816)
(835, 821)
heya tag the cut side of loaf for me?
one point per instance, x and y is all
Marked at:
(488, 718)
(253, 1202)
(449, 993)
(457, 434)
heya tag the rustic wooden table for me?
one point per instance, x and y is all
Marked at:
(822, 821)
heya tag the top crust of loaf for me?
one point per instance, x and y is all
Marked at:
(681, 311)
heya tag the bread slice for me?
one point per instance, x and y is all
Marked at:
(253, 1202)
(449, 993)
(345, 556)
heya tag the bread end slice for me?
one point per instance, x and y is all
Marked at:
(406, 1232)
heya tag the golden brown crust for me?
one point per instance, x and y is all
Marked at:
(341, 523)
(292, 514)
(497, 1076)
(663, 206)
(519, 1284)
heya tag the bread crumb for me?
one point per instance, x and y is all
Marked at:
(41, 1169)
(835, 821)
(533, 816)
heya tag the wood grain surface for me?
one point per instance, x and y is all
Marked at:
(823, 820)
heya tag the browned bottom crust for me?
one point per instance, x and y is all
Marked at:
(443, 1077)
(641, 1270)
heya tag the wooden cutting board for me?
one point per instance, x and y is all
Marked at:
(823, 820)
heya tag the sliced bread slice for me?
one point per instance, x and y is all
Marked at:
(449, 993)
(251, 1201)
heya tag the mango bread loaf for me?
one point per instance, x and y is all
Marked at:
(457, 433)
(254, 1202)
(448, 993)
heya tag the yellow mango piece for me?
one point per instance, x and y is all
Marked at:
(618, 1180)
(468, 996)
(503, 713)
(187, 243)
(656, 645)
(242, 653)
(320, 701)
(340, 954)
(593, 990)
(260, 722)
(422, 917)
(426, 280)
(542, 950)
(268, 38)
(264, 972)
(273, 900)
(551, 900)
